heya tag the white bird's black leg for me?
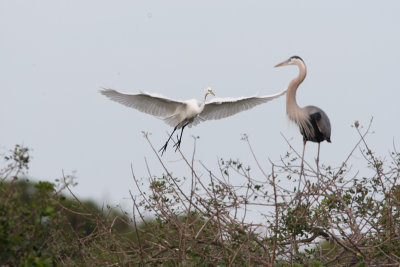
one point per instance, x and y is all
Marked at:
(178, 144)
(162, 150)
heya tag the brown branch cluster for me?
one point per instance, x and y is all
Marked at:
(240, 216)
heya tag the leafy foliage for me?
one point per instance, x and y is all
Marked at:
(337, 217)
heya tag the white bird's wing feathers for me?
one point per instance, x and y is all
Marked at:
(152, 104)
(219, 108)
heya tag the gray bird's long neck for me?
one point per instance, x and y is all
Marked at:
(291, 103)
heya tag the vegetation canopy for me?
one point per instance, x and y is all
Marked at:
(337, 217)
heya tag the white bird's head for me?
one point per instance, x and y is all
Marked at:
(294, 60)
(209, 91)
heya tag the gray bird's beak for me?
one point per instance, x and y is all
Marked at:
(284, 63)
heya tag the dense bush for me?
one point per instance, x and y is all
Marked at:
(39, 226)
(337, 217)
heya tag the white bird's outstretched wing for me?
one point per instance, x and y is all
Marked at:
(152, 104)
(219, 108)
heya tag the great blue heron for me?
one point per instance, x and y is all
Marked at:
(313, 122)
(180, 114)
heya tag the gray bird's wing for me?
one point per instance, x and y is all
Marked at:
(321, 120)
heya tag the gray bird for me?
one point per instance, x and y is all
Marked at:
(313, 122)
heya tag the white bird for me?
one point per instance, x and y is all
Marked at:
(180, 114)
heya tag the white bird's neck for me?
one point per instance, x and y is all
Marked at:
(291, 104)
(203, 99)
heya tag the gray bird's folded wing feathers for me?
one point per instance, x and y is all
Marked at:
(152, 104)
(221, 108)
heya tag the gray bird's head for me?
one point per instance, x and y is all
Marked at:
(294, 60)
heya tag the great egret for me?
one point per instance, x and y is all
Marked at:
(313, 122)
(180, 114)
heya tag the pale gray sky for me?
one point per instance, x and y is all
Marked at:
(56, 55)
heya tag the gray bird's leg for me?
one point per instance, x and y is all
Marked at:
(317, 161)
(302, 163)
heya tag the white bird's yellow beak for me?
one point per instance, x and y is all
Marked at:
(211, 92)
